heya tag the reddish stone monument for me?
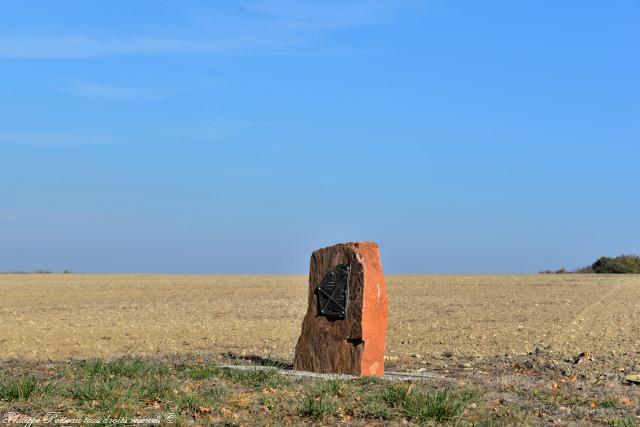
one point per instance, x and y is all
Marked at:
(345, 326)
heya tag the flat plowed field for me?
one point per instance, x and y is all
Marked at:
(55, 316)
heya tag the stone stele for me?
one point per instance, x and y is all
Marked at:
(354, 344)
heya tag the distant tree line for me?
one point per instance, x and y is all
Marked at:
(34, 272)
(623, 264)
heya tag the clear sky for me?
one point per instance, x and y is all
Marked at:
(463, 136)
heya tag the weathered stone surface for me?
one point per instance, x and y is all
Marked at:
(355, 344)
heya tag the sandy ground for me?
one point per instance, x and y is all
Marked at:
(51, 316)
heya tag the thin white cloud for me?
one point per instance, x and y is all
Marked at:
(259, 26)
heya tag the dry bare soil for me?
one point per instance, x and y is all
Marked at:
(51, 316)
(507, 333)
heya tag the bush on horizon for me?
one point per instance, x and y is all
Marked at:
(623, 264)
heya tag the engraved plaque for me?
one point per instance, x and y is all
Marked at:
(333, 292)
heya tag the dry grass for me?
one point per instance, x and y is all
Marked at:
(59, 316)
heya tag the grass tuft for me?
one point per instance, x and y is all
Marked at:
(123, 367)
(108, 395)
(150, 390)
(202, 372)
(318, 406)
(190, 402)
(439, 406)
(368, 381)
(24, 388)
(256, 379)
(372, 407)
(609, 403)
(321, 401)
(623, 422)
(334, 387)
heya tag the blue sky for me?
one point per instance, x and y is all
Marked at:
(238, 136)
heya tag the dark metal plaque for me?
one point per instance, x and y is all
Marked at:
(333, 292)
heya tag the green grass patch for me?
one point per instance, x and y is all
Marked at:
(202, 372)
(609, 403)
(24, 388)
(106, 395)
(204, 394)
(151, 390)
(191, 402)
(127, 367)
(423, 406)
(623, 422)
(318, 406)
(254, 378)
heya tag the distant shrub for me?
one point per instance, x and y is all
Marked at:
(624, 264)
(561, 271)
